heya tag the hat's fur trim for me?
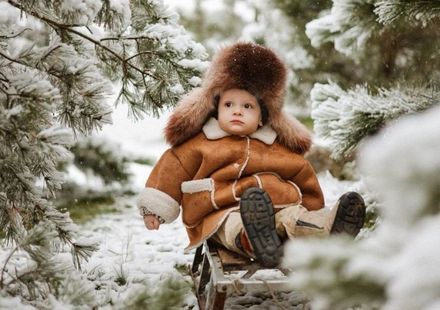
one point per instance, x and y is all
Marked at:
(291, 133)
(189, 117)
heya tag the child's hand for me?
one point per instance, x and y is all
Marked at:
(151, 222)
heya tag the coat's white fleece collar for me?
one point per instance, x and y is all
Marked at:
(212, 131)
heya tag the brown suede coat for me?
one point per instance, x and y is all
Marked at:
(207, 176)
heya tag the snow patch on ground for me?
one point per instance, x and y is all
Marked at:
(131, 252)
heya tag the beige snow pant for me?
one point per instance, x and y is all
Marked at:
(291, 222)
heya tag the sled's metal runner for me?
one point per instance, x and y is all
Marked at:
(212, 270)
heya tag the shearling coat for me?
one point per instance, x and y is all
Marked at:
(206, 175)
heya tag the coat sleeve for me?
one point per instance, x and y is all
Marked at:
(162, 194)
(306, 180)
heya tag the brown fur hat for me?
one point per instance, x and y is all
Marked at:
(247, 66)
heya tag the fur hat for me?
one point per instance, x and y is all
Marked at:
(242, 65)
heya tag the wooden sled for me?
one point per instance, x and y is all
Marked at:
(217, 272)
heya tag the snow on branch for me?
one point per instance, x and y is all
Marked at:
(350, 23)
(396, 267)
(60, 64)
(409, 157)
(347, 117)
(420, 12)
(147, 57)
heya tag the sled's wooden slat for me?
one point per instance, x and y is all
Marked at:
(229, 258)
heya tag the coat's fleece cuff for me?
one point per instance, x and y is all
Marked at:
(158, 203)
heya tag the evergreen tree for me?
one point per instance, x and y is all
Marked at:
(58, 60)
(394, 35)
(396, 117)
(365, 42)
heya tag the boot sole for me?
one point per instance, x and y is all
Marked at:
(350, 215)
(258, 218)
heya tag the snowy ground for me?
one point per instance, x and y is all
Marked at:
(130, 254)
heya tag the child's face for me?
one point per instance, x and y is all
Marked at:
(238, 112)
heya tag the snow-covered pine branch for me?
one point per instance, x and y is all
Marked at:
(154, 58)
(351, 23)
(58, 60)
(346, 117)
(419, 12)
(396, 267)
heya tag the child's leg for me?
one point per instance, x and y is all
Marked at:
(297, 221)
(227, 234)
(347, 216)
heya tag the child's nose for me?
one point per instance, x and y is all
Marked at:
(238, 111)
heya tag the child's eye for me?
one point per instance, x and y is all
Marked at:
(247, 106)
(228, 104)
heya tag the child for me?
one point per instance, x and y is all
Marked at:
(236, 165)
